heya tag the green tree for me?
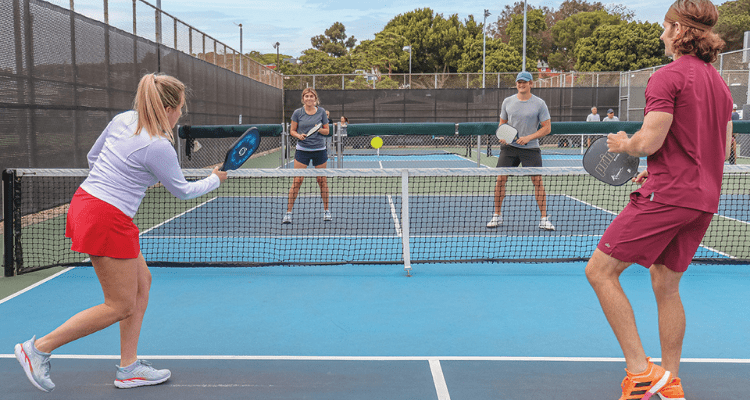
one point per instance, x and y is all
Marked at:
(436, 42)
(734, 20)
(266, 58)
(535, 24)
(445, 42)
(569, 8)
(621, 47)
(499, 28)
(568, 32)
(386, 83)
(385, 52)
(499, 57)
(318, 62)
(359, 83)
(552, 16)
(335, 41)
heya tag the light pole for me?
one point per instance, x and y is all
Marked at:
(276, 46)
(484, 43)
(408, 48)
(523, 66)
(240, 25)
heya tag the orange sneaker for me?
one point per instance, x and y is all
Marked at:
(672, 391)
(643, 386)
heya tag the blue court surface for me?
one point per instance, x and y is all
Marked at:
(451, 331)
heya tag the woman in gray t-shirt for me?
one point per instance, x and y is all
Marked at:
(309, 148)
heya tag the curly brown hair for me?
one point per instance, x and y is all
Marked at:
(697, 18)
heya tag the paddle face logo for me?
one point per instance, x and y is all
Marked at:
(242, 151)
(604, 161)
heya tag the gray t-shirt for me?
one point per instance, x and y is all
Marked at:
(305, 122)
(525, 116)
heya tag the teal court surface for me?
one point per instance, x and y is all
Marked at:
(451, 331)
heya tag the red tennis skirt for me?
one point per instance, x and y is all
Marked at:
(98, 228)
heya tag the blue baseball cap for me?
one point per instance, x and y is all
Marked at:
(524, 76)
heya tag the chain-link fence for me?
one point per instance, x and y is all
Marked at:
(451, 105)
(731, 67)
(145, 20)
(363, 81)
(63, 77)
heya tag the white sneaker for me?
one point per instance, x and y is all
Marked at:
(141, 373)
(327, 216)
(496, 221)
(35, 364)
(287, 218)
(546, 225)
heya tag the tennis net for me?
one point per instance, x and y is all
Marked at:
(398, 216)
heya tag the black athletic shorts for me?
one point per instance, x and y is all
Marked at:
(511, 156)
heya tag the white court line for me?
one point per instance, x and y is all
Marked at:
(394, 216)
(733, 219)
(615, 214)
(20, 292)
(86, 260)
(437, 376)
(394, 213)
(388, 358)
(178, 215)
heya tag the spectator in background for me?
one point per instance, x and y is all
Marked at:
(343, 124)
(593, 117)
(610, 116)
(735, 114)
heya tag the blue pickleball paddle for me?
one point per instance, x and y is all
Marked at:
(242, 149)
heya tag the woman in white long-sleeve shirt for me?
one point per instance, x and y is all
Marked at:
(134, 152)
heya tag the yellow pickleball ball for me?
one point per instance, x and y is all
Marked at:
(376, 142)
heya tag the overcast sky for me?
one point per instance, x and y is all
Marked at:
(293, 23)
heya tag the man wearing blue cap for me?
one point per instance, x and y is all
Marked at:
(530, 116)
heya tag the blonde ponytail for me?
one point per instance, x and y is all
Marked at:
(155, 94)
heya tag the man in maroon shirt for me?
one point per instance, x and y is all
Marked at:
(685, 134)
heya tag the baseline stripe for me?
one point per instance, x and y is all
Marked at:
(387, 358)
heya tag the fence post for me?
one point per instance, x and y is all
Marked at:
(134, 17)
(175, 32)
